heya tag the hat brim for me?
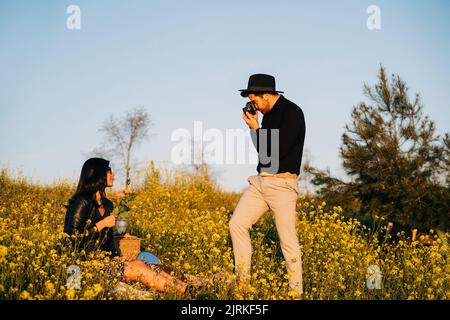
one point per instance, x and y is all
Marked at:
(245, 92)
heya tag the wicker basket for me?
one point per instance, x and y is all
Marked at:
(128, 246)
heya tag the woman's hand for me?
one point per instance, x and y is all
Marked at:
(127, 190)
(122, 194)
(119, 196)
(108, 222)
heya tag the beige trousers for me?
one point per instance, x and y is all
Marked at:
(280, 195)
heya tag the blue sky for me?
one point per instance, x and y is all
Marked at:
(184, 61)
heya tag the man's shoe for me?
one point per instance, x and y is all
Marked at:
(293, 295)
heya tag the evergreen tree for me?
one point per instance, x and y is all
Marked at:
(398, 166)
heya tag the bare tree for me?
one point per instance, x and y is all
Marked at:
(123, 135)
(198, 158)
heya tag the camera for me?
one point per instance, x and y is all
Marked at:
(250, 108)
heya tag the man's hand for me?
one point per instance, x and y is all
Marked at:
(251, 120)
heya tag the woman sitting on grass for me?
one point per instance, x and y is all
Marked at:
(90, 203)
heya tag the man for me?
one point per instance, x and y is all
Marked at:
(275, 187)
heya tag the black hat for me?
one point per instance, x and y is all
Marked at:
(260, 83)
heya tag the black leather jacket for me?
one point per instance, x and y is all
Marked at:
(81, 216)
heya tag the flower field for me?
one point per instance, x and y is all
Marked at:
(183, 219)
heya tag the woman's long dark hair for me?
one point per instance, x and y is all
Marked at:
(93, 177)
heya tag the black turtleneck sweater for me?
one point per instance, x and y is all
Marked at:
(288, 118)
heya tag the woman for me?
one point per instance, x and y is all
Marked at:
(89, 214)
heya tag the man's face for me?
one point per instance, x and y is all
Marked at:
(261, 102)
